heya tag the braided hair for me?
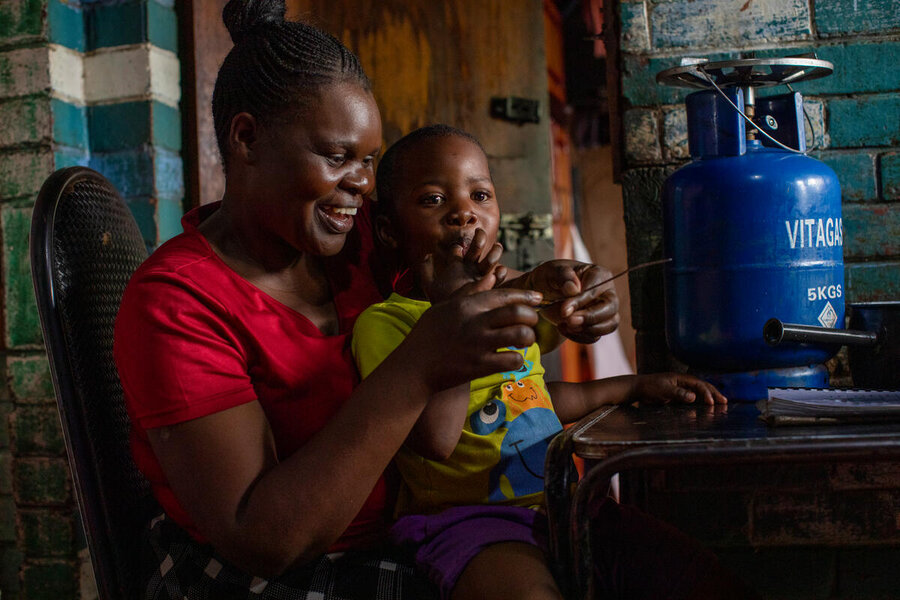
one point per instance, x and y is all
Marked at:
(275, 65)
(391, 166)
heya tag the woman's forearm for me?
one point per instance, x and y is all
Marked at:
(267, 515)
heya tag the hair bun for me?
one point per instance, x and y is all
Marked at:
(243, 16)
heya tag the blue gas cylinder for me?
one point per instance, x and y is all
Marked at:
(754, 232)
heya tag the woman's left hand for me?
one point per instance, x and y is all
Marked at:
(581, 312)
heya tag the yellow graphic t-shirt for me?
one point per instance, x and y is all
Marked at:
(500, 455)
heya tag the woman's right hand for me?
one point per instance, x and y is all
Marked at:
(457, 340)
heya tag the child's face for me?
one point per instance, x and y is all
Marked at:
(443, 195)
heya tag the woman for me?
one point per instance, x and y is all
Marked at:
(265, 452)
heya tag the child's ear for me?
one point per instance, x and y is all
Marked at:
(385, 231)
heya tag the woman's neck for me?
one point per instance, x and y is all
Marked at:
(292, 277)
(241, 239)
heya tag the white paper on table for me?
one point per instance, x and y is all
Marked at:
(828, 402)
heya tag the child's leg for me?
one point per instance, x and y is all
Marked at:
(495, 546)
(509, 570)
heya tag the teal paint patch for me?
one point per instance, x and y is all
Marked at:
(641, 127)
(25, 120)
(865, 121)
(66, 25)
(814, 124)
(858, 68)
(144, 211)
(36, 430)
(639, 85)
(22, 18)
(890, 176)
(839, 17)
(872, 281)
(41, 480)
(871, 230)
(717, 23)
(780, 53)
(44, 532)
(119, 126)
(24, 72)
(130, 171)
(70, 157)
(633, 19)
(21, 318)
(70, 124)
(110, 25)
(855, 172)
(6, 73)
(28, 378)
(169, 170)
(168, 218)
(162, 26)
(675, 135)
(22, 173)
(166, 126)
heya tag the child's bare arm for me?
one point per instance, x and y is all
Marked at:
(436, 433)
(575, 400)
(571, 401)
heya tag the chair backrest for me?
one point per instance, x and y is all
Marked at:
(85, 245)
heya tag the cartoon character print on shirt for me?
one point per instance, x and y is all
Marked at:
(523, 408)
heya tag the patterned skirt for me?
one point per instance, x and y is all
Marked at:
(178, 568)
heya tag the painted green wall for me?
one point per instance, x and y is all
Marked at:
(855, 116)
(81, 83)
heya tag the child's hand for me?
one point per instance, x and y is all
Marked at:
(470, 267)
(581, 316)
(662, 388)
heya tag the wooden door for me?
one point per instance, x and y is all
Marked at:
(204, 44)
(429, 62)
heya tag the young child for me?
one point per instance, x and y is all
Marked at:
(472, 467)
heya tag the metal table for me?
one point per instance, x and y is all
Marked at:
(616, 439)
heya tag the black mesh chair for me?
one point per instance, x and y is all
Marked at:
(85, 245)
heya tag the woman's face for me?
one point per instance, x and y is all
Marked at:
(443, 195)
(314, 169)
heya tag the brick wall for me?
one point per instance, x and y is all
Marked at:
(855, 116)
(81, 83)
(812, 532)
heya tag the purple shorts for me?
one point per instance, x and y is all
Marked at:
(445, 543)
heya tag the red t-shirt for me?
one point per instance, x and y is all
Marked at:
(194, 338)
